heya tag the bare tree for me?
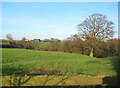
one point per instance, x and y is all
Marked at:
(9, 37)
(96, 28)
(23, 39)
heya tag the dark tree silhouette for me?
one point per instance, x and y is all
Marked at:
(96, 28)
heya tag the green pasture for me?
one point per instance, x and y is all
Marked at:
(40, 44)
(25, 62)
(43, 44)
(4, 42)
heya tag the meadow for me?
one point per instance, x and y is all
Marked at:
(40, 44)
(43, 44)
(4, 42)
(25, 62)
(24, 67)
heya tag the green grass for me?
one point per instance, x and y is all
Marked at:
(23, 61)
(41, 79)
(43, 44)
(4, 42)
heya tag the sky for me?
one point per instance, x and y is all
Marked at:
(51, 19)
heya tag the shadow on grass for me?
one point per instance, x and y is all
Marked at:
(76, 86)
(18, 77)
(6, 71)
(17, 81)
(113, 80)
(10, 70)
(47, 72)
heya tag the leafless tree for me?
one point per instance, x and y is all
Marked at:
(96, 28)
(9, 37)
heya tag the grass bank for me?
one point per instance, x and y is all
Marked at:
(23, 61)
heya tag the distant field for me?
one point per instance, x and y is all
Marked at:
(42, 44)
(23, 61)
(4, 42)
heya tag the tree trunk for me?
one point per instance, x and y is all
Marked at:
(91, 53)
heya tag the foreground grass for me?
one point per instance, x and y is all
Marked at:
(43, 80)
(23, 61)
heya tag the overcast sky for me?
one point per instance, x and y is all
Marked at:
(51, 19)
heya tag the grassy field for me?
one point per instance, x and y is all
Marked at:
(43, 44)
(41, 80)
(40, 44)
(4, 42)
(23, 61)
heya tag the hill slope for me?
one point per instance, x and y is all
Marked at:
(23, 61)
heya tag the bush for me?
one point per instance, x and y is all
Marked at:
(28, 44)
(65, 46)
(54, 46)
